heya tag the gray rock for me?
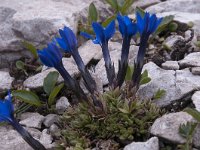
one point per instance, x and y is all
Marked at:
(151, 144)
(87, 51)
(50, 119)
(54, 130)
(191, 60)
(177, 84)
(46, 139)
(170, 41)
(62, 104)
(185, 11)
(170, 65)
(195, 70)
(167, 126)
(27, 115)
(196, 137)
(37, 24)
(196, 100)
(115, 56)
(34, 121)
(144, 3)
(160, 79)
(11, 140)
(5, 80)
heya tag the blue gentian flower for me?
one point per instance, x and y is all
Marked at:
(102, 34)
(148, 24)
(68, 43)
(102, 37)
(6, 109)
(126, 26)
(128, 29)
(50, 56)
(6, 115)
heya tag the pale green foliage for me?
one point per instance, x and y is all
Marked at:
(187, 131)
(123, 119)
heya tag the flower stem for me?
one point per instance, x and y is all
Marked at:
(110, 70)
(36, 145)
(123, 64)
(140, 61)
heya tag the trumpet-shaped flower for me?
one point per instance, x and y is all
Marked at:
(102, 34)
(102, 37)
(6, 109)
(148, 24)
(6, 115)
(50, 56)
(126, 26)
(68, 43)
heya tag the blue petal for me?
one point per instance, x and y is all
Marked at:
(159, 21)
(122, 25)
(140, 23)
(110, 30)
(146, 22)
(86, 35)
(44, 58)
(69, 38)
(6, 109)
(55, 53)
(95, 41)
(127, 20)
(62, 43)
(152, 24)
(132, 29)
(99, 31)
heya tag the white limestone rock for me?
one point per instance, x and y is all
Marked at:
(151, 144)
(167, 126)
(170, 65)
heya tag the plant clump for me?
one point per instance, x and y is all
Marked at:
(123, 120)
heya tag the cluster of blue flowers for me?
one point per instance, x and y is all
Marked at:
(51, 56)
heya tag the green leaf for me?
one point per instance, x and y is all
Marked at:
(108, 20)
(31, 48)
(39, 68)
(92, 14)
(172, 26)
(159, 94)
(126, 6)
(50, 82)
(28, 97)
(166, 20)
(144, 78)
(54, 93)
(187, 130)
(140, 11)
(20, 65)
(194, 113)
(123, 110)
(129, 73)
(113, 4)
(144, 74)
